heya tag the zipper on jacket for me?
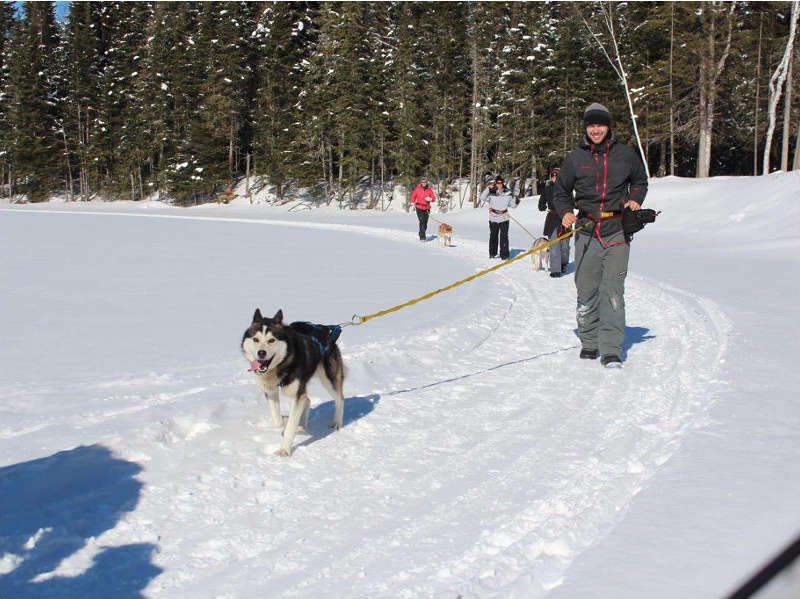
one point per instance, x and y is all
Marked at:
(605, 178)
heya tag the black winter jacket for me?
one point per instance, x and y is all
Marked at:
(603, 177)
(551, 221)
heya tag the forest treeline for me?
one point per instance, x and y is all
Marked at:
(128, 99)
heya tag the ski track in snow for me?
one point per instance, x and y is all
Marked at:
(418, 494)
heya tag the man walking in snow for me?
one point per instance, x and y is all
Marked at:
(421, 199)
(606, 177)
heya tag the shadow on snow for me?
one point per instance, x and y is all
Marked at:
(355, 408)
(634, 335)
(320, 417)
(51, 508)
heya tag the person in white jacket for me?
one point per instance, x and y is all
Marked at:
(500, 200)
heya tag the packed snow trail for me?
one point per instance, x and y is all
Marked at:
(478, 458)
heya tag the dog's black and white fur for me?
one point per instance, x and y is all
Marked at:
(286, 357)
(542, 257)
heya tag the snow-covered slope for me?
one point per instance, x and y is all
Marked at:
(479, 457)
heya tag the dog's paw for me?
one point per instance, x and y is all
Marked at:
(284, 453)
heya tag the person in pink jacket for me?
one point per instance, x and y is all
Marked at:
(421, 199)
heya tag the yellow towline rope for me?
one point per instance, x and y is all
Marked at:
(362, 319)
(522, 227)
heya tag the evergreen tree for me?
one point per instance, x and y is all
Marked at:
(83, 47)
(408, 146)
(447, 92)
(36, 156)
(219, 55)
(7, 23)
(376, 89)
(134, 97)
(480, 27)
(120, 137)
(340, 91)
(555, 68)
(283, 39)
(181, 78)
(167, 98)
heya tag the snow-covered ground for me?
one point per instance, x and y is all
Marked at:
(479, 458)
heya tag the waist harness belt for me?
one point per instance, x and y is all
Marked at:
(493, 211)
(598, 218)
(601, 216)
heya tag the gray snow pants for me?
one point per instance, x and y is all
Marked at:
(559, 252)
(600, 272)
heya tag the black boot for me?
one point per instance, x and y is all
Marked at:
(611, 361)
(588, 354)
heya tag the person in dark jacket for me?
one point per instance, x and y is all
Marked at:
(558, 252)
(600, 178)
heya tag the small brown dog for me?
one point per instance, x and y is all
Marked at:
(445, 234)
(542, 257)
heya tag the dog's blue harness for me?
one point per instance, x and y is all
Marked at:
(334, 330)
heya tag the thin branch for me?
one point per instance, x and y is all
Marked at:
(596, 38)
(607, 9)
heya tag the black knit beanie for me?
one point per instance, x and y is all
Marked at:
(596, 114)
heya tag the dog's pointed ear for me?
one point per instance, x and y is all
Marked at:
(257, 316)
(278, 318)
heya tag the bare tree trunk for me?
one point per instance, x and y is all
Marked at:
(607, 9)
(796, 163)
(69, 167)
(322, 153)
(671, 101)
(787, 116)
(372, 181)
(340, 181)
(79, 150)
(647, 130)
(230, 152)
(383, 171)
(247, 178)
(705, 123)
(83, 135)
(710, 72)
(534, 163)
(758, 94)
(565, 147)
(473, 169)
(329, 148)
(776, 84)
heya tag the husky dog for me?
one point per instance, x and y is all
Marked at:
(445, 235)
(286, 357)
(542, 257)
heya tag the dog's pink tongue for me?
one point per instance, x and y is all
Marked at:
(254, 365)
